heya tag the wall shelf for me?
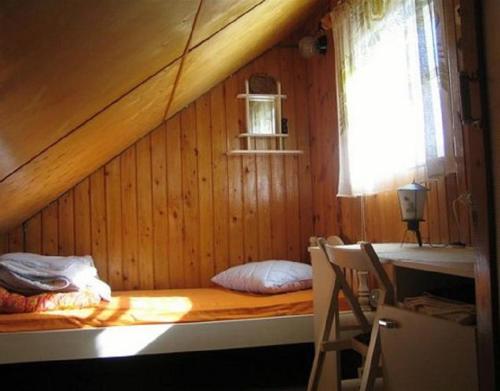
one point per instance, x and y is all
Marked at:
(257, 135)
(240, 152)
(261, 96)
(264, 121)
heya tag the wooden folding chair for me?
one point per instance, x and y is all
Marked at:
(362, 258)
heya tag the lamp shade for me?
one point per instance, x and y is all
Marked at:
(412, 199)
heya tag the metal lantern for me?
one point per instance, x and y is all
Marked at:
(412, 199)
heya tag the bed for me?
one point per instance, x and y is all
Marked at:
(158, 321)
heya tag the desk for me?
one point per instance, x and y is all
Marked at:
(456, 261)
(448, 349)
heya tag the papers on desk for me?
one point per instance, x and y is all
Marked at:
(440, 307)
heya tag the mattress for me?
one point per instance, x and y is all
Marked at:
(130, 308)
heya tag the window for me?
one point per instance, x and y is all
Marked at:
(392, 82)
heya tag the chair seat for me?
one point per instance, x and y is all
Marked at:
(354, 384)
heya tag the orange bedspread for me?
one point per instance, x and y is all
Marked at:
(164, 306)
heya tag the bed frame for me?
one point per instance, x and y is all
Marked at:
(120, 341)
(123, 341)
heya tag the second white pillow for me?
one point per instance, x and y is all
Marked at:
(266, 277)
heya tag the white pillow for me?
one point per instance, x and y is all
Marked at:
(266, 277)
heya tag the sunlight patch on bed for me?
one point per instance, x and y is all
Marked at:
(130, 340)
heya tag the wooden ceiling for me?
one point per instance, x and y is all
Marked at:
(82, 80)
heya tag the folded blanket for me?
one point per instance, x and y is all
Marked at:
(14, 303)
(30, 274)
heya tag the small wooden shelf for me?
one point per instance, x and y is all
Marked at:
(261, 96)
(275, 135)
(239, 152)
(257, 135)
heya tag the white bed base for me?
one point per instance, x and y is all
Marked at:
(120, 341)
(123, 341)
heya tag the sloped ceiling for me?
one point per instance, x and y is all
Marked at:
(82, 80)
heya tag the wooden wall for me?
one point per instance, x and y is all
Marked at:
(375, 218)
(173, 209)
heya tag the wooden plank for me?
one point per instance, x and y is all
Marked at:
(249, 186)
(443, 211)
(277, 179)
(261, 65)
(214, 15)
(324, 141)
(395, 213)
(114, 223)
(191, 239)
(83, 238)
(50, 231)
(220, 180)
(234, 172)
(175, 203)
(351, 229)
(145, 213)
(15, 240)
(329, 122)
(433, 213)
(304, 161)
(205, 183)
(372, 219)
(66, 224)
(292, 207)
(129, 219)
(33, 234)
(98, 227)
(316, 143)
(162, 277)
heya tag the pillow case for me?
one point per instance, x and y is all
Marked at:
(272, 276)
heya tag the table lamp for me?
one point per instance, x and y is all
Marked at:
(412, 199)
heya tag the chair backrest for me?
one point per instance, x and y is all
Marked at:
(334, 240)
(352, 257)
(360, 257)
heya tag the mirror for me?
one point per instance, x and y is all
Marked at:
(262, 115)
(263, 95)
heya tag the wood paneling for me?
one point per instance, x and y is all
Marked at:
(145, 213)
(173, 209)
(237, 44)
(324, 139)
(80, 153)
(88, 42)
(104, 106)
(146, 36)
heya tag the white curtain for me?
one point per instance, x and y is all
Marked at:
(393, 94)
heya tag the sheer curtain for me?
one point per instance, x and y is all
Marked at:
(393, 94)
